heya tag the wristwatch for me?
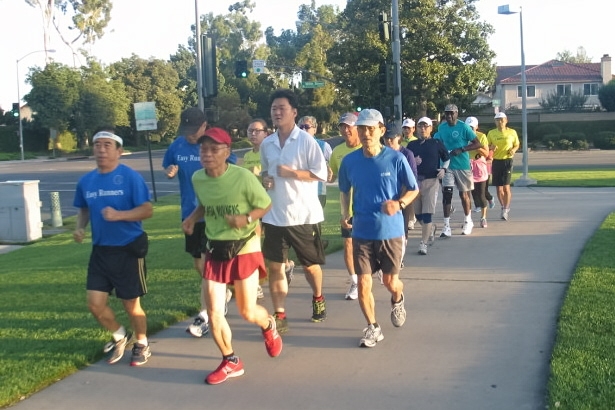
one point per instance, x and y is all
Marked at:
(402, 204)
(249, 218)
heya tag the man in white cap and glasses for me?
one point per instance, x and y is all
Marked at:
(381, 184)
(407, 127)
(348, 130)
(114, 199)
(504, 142)
(458, 138)
(432, 161)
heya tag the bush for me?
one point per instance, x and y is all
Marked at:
(578, 140)
(557, 142)
(545, 129)
(605, 140)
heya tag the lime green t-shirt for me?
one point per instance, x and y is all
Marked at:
(482, 138)
(252, 161)
(338, 154)
(504, 141)
(236, 192)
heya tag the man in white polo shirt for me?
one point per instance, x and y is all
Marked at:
(292, 165)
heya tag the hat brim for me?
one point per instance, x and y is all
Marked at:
(369, 123)
(185, 130)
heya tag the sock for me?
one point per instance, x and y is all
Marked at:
(353, 278)
(280, 315)
(204, 316)
(231, 358)
(375, 324)
(318, 298)
(119, 334)
(447, 221)
(142, 342)
(468, 218)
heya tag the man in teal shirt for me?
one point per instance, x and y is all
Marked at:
(458, 138)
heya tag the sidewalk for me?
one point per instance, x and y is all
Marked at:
(482, 312)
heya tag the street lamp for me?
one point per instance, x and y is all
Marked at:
(19, 98)
(524, 180)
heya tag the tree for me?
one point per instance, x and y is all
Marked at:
(564, 102)
(606, 95)
(445, 56)
(580, 57)
(151, 80)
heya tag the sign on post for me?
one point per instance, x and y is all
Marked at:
(258, 66)
(313, 84)
(145, 116)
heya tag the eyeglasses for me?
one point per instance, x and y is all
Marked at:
(255, 130)
(423, 125)
(212, 150)
(306, 127)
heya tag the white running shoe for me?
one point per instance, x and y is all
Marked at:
(198, 328)
(478, 209)
(422, 248)
(467, 228)
(505, 214)
(259, 292)
(353, 292)
(411, 224)
(379, 274)
(446, 232)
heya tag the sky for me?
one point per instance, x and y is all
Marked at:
(155, 28)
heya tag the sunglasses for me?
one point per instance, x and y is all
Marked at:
(305, 127)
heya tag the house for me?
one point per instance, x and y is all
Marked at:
(552, 77)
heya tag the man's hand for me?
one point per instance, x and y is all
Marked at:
(236, 221)
(285, 171)
(78, 235)
(418, 160)
(456, 152)
(268, 182)
(390, 207)
(188, 226)
(345, 224)
(171, 171)
(110, 214)
(441, 173)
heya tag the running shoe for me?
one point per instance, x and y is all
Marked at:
(319, 310)
(422, 248)
(483, 222)
(116, 348)
(446, 232)
(505, 214)
(353, 292)
(467, 228)
(477, 209)
(290, 267)
(273, 341)
(140, 354)
(491, 204)
(259, 292)
(198, 328)
(280, 324)
(411, 224)
(372, 335)
(398, 312)
(379, 275)
(226, 370)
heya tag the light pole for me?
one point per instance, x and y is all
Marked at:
(19, 98)
(397, 63)
(524, 180)
(197, 45)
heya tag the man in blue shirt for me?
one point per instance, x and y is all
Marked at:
(458, 138)
(382, 184)
(114, 199)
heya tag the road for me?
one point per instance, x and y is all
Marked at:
(61, 175)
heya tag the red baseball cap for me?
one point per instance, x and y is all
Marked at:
(218, 135)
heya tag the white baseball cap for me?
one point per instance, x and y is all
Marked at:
(500, 115)
(370, 117)
(426, 120)
(408, 122)
(472, 122)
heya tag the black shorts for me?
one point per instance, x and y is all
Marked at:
(195, 243)
(347, 233)
(113, 267)
(304, 239)
(501, 172)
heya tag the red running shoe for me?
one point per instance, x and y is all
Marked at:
(273, 340)
(226, 370)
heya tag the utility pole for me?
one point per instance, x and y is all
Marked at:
(396, 64)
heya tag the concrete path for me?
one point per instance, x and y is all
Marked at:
(482, 313)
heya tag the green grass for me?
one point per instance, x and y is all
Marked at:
(46, 330)
(603, 177)
(583, 360)
(47, 333)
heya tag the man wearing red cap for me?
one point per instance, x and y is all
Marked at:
(233, 254)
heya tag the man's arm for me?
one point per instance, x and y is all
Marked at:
(139, 213)
(83, 217)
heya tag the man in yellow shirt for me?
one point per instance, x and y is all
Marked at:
(504, 142)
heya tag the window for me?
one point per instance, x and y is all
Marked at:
(530, 89)
(590, 89)
(564, 89)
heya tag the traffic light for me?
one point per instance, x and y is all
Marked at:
(241, 68)
(358, 103)
(15, 110)
(208, 66)
(383, 77)
(384, 30)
